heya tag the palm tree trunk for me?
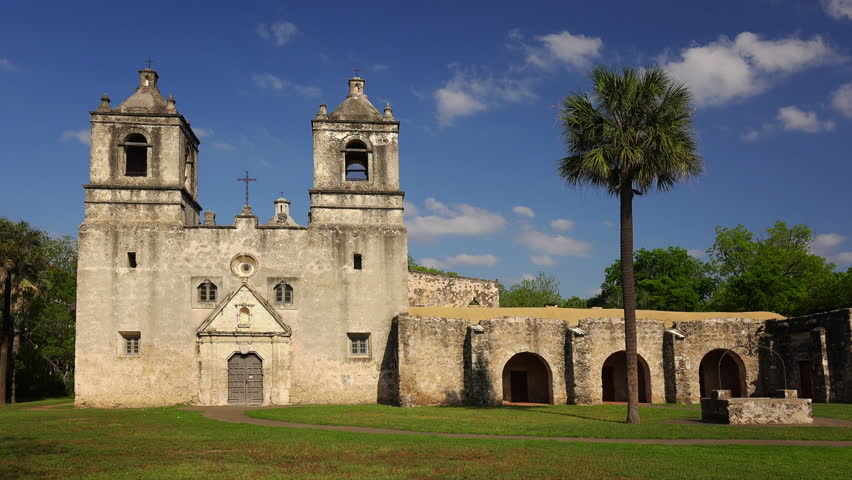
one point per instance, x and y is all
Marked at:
(6, 340)
(629, 292)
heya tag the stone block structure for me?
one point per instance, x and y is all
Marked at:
(435, 290)
(175, 309)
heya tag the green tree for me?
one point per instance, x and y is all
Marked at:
(575, 302)
(633, 134)
(21, 261)
(532, 292)
(666, 279)
(413, 266)
(45, 363)
(776, 273)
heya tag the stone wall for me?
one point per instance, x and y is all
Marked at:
(431, 360)
(433, 290)
(691, 341)
(822, 343)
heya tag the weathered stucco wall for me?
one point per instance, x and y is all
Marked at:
(433, 290)
(822, 344)
(155, 217)
(699, 339)
(431, 360)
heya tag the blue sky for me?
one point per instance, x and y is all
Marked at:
(476, 86)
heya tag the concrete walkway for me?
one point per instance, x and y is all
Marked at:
(237, 414)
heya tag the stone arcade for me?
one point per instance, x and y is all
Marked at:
(176, 309)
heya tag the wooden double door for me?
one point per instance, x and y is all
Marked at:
(245, 379)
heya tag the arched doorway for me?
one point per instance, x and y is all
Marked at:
(526, 379)
(732, 370)
(245, 379)
(614, 378)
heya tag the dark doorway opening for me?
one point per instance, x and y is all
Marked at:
(245, 379)
(806, 384)
(614, 378)
(527, 379)
(732, 371)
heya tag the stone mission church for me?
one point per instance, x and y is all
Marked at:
(173, 308)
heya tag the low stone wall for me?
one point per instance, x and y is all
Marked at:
(433, 290)
(788, 409)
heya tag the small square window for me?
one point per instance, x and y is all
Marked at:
(359, 345)
(357, 262)
(131, 259)
(131, 342)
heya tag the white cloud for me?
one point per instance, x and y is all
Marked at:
(543, 260)
(473, 90)
(202, 132)
(725, 70)
(696, 252)
(5, 64)
(411, 209)
(824, 242)
(456, 103)
(563, 48)
(838, 8)
(842, 100)
(753, 135)
(224, 146)
(525, 211)
(794, 118)
(562, 224)
(268, 80)
(486, 260)
(278, 33)
(554, 244)
(790, 119)
(527, 276)
(843, 258)
(273, 82)
(460, 219)
(83, 135)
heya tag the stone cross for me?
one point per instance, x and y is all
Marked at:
(247, 180)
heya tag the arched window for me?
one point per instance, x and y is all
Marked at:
(136, 156)
(283, 293)
(356, 156)
(207, 291)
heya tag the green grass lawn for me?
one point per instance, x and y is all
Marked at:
(603, 421)
(169, 443)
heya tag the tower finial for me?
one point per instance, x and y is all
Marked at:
(388, 113)
(104, 106)
(149, 62)
(356, 70)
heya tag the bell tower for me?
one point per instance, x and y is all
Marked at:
(356, 163)
(144, 160)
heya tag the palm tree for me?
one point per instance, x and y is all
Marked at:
(633, 134)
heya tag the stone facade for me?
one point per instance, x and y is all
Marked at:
(175, 310)
(148, 335)
(455, 361)
(434, 290)
(817, 350)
